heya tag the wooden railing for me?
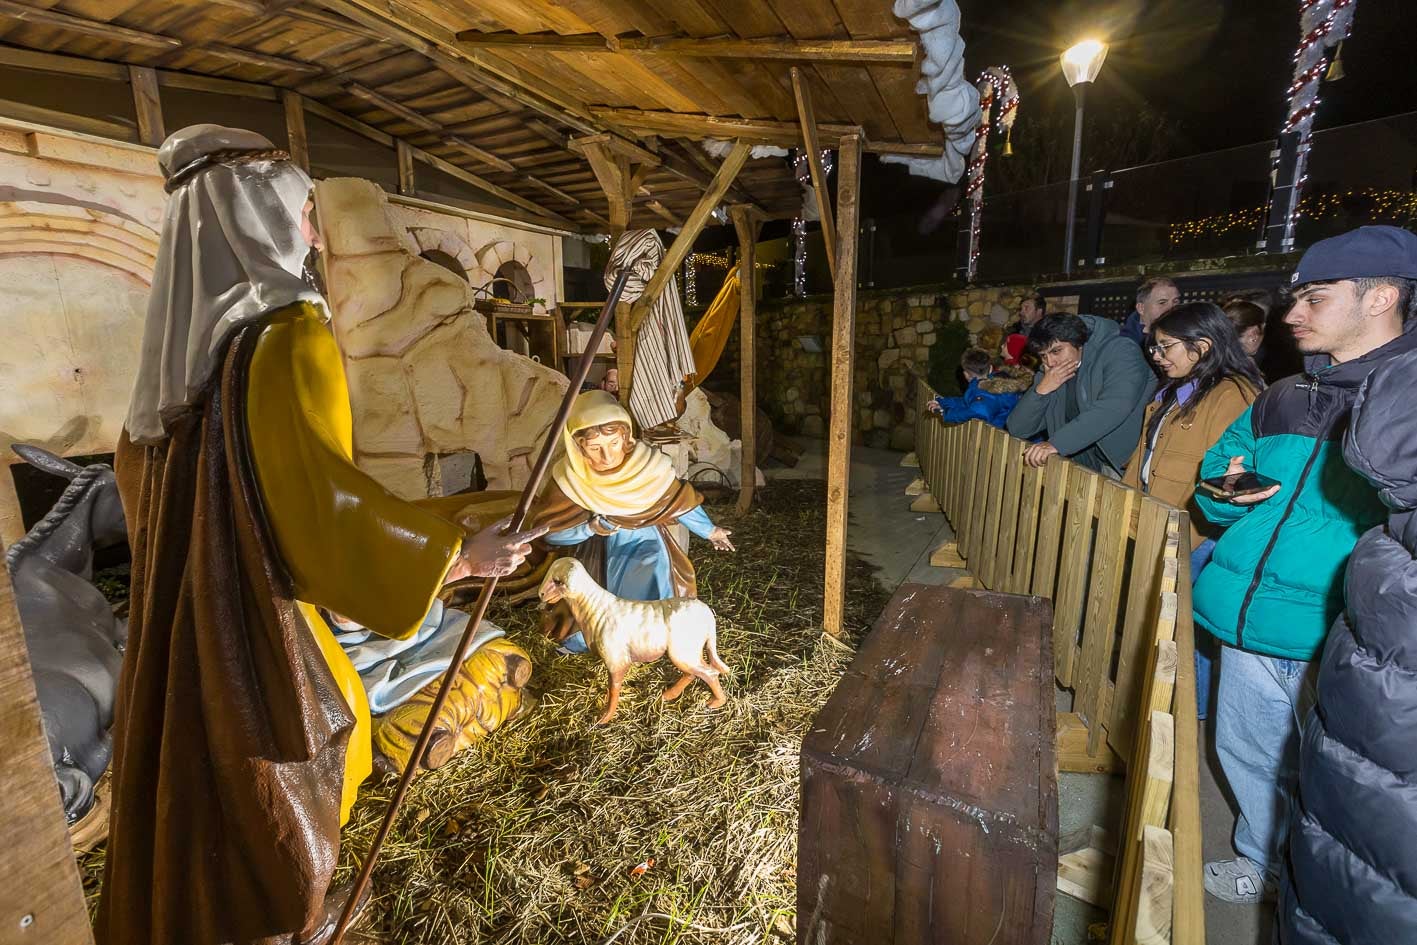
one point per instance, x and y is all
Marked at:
(1116, 565)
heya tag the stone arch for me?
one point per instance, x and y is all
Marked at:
(498, 253)
(92, 235)
(428, 238)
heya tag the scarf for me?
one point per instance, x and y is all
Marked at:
(639, 482)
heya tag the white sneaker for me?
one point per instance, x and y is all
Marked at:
(1239, 880)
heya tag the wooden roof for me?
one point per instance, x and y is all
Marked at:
(497, 89)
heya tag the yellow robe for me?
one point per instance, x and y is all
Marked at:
(347, 543)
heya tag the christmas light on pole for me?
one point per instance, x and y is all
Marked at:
(1323, 25)
(996, 85)
(803, 170)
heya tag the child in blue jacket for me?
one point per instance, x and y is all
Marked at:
(990, 393)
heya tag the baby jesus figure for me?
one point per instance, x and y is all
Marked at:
(615, 499)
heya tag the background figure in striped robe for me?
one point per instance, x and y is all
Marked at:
(663, 357)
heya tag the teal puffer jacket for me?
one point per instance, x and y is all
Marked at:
(1275, 583)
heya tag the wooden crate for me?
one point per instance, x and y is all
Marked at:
(929, 789)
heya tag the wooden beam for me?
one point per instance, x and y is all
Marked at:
(316, 107)
(874, 51)
(495, 190)
(80, 24)
(249, 7)
(207, 83)
(478, 154)
(663, 212)
(40, 894)
(612, 173)
(64, 65)
(693, 226)
(746, 223)
(407, 186)
(554, 191)
(843, 354)
(543, 42)
(617, 145)
(807, 117)
(147, 105)
(295, 128)
(821, 50)
(758, 131)
(397, 109)
(253, 58)
(80, 123)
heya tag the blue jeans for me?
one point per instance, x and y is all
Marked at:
(1260, 711)
(1204, 643)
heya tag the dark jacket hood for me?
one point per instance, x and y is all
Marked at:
(1381, 444)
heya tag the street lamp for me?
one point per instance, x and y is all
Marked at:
(1081, 63)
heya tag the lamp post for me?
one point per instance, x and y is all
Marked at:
(1081, 64)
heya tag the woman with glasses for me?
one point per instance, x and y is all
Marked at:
(1208, 381)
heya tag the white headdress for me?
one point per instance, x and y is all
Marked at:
(231, 251)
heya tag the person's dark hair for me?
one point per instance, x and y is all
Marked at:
(1225, 360)
(977, 361)
(1244, 314)
(1060, 326)
(1039, 302)
(1406, 292)
(1264, 298)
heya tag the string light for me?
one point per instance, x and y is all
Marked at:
(1322, 24)
(1381, 204)
(996, 82)
(691, 286)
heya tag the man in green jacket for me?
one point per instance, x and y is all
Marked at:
(1090, 396)
(1275, 582)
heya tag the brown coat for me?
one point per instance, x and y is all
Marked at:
(1182, 443)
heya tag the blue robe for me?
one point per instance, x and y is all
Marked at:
(636, 561)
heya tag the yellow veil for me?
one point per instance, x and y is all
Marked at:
(640, 481)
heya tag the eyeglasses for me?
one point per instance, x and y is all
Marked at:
(1157, 350)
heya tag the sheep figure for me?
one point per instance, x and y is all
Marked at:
(623, 632)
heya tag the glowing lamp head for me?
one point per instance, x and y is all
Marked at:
(1083, 61)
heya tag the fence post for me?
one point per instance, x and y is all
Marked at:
(1097, 188)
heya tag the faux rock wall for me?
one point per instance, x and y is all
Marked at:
(428, 385)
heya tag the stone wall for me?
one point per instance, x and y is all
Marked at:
(894, 332)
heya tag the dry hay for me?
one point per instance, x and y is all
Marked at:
(533, 836)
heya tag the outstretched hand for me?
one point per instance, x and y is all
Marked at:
(719, 539)
(1236, 467)
(489, 553)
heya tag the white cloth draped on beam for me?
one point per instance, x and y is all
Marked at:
(663, 357)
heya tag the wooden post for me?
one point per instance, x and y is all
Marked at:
(842, 357)
(747, 226)
(41, 899)
(807, 115)
(295, 129)
(629, 327)
(405, 156)
(612, 171)
(147, 104)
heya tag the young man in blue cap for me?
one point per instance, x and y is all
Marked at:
(1275, 583)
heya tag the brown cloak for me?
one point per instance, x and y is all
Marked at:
(230, 736)
(555, 510)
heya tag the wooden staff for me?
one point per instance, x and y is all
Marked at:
(533, 486)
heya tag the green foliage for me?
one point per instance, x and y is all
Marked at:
(951, 340)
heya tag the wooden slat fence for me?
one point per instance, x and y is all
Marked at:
(1116, 565)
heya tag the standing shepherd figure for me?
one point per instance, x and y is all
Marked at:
(242, 729)
(664, 359)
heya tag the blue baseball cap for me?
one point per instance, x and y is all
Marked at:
(1359, 254)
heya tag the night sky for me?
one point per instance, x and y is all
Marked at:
(1220, 68)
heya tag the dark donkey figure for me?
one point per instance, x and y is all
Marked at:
(75, 642)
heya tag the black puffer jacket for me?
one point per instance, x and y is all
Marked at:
(1352, 874)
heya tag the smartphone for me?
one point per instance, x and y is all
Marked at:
(1237, 484)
